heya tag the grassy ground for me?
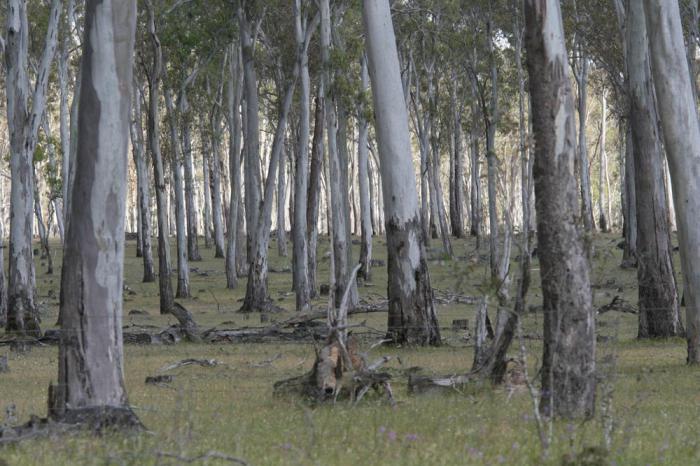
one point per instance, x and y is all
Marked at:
(230, 408)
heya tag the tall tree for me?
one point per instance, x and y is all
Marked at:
(23, 123)
(681, 132)
(568, 369)
(155, 75)
(412, 317)
(300, 254)
(90, 372)
(658, 299)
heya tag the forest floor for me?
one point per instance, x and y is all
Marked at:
(229, 408)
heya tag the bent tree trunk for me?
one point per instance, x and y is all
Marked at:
(679, 123)
(412, 317)
(90, 371)
(568, 364)
(658, 297)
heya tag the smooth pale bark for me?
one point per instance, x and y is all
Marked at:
(176, 168)
(234, 95)
(582, 81)
(252, 136)
(256, 297)
(3, 286)
(568, 363)
(23, 124)
(603, 218)
(281, 202)
(165, 286)
(64, 107)
(475, 185)
(206, 193)
(435, 168)
(217, 211)
(681, 132)
(337, 170)
(363, 177)
(90, 371)
(456, 167)
(142, 186)
(490, 116)
(42, 229)
(629, 252)
(190, 191)
(300, 241)
(314, 197)
(412, 317)
(658, 299)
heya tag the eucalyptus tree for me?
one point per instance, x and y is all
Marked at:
(412, 318)
(154, 75)
(568, 371)
(314, 193)
(249, 16)
(337, 160)
(363, 174)
(142, 183)
(256, 297)
(300, 252)
(234, 91)
(91, 385)
(658, 298)
(681, 133)
(23, 124)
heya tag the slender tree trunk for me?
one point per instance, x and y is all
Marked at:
(183, 268)
(457, 167)
(192, 222)
(300, 229)
(363, 178)
(215, 178)
(338, 211)
(568, 370)
(412, 317)
(490, 122)
(142, 186)
(23, 123)
(256, 297)
(252, 137)
(90, 372)
(281, 202)
(206, 194)
(164, 284)
(681, 132)
(582, 80)
(629, 253)
(658, 299)
(314, 197)
(64, 108)
(234, 88)
(475, 196)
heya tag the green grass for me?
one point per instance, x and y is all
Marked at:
(230, 408)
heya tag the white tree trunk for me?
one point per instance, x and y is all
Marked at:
(23, 123)
(412, 317)
(681, 131)
(90, 373)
